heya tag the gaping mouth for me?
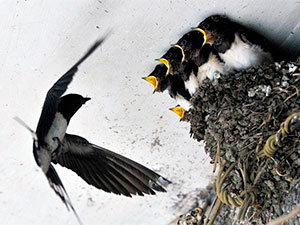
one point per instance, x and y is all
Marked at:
(152, 80)
(166, 63)
(179, 111)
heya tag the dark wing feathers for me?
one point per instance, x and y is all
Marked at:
(107, 170)
(56, 184)
(129, 179)
(139, 176)
(56, 91)
(116, 180)
(252, 37)
(136, 173)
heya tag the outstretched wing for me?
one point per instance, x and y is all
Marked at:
(107, 170)
(56, 91)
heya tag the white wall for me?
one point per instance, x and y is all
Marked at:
(40, 40)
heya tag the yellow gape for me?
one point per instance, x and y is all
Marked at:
(166, 63)
(204, 34)
(182, 51)
(152, 80)
(179, 111)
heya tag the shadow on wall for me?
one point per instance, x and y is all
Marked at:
(284, 38)
(287, 48)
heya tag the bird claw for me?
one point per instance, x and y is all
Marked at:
(56, 152)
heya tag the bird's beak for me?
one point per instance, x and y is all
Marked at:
(85, 100)
(203, 32)
(179, 111)
(152, 80)
(166, 63)
(182, 51)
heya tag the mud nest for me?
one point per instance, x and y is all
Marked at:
(249, 122)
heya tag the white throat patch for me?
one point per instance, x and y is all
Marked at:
(58, 129)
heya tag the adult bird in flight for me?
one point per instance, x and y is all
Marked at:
(98, 166)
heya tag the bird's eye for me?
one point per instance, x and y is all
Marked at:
(184, 42)
(215, 18)
(205, 26)
(218, 41)
(169, 55)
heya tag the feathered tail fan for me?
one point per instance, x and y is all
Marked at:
(58, 187)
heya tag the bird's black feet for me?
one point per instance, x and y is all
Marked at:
(56, 152)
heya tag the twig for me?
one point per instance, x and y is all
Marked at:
(210, 210)
(217, 157)
(218, 207)
(285, 218)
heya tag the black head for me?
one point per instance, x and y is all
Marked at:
(223, 42)
(172, 59)
(191, 42)
(214, 25)
(69, 104)
(173, 54)
(157, 78)
(159, 71)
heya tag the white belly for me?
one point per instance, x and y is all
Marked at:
(242, 55)
(192, 84)
(58, 129)
(44, 158)
(183, 102)
(210, 69)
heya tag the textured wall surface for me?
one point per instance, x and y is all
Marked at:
(40, 40)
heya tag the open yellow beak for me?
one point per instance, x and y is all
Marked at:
(152, 80)
(165, 62)
(204, 34)
(179, 111)
(182, 51)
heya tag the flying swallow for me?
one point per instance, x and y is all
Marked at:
(96, 165)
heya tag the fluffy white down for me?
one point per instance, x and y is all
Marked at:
(242, 55)
(210, 69)
(192, 84)
(183, 102)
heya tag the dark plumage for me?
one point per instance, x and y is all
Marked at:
(173, 83)
(55, 117)
(173, 59)
(191, 44)
(98, 166)
(185, 72)
(178, 91)
(201, 59)
(188, 72)
(157, 78)
(209, 63)
(239, 47)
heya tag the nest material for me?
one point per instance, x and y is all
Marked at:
(235, 115)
